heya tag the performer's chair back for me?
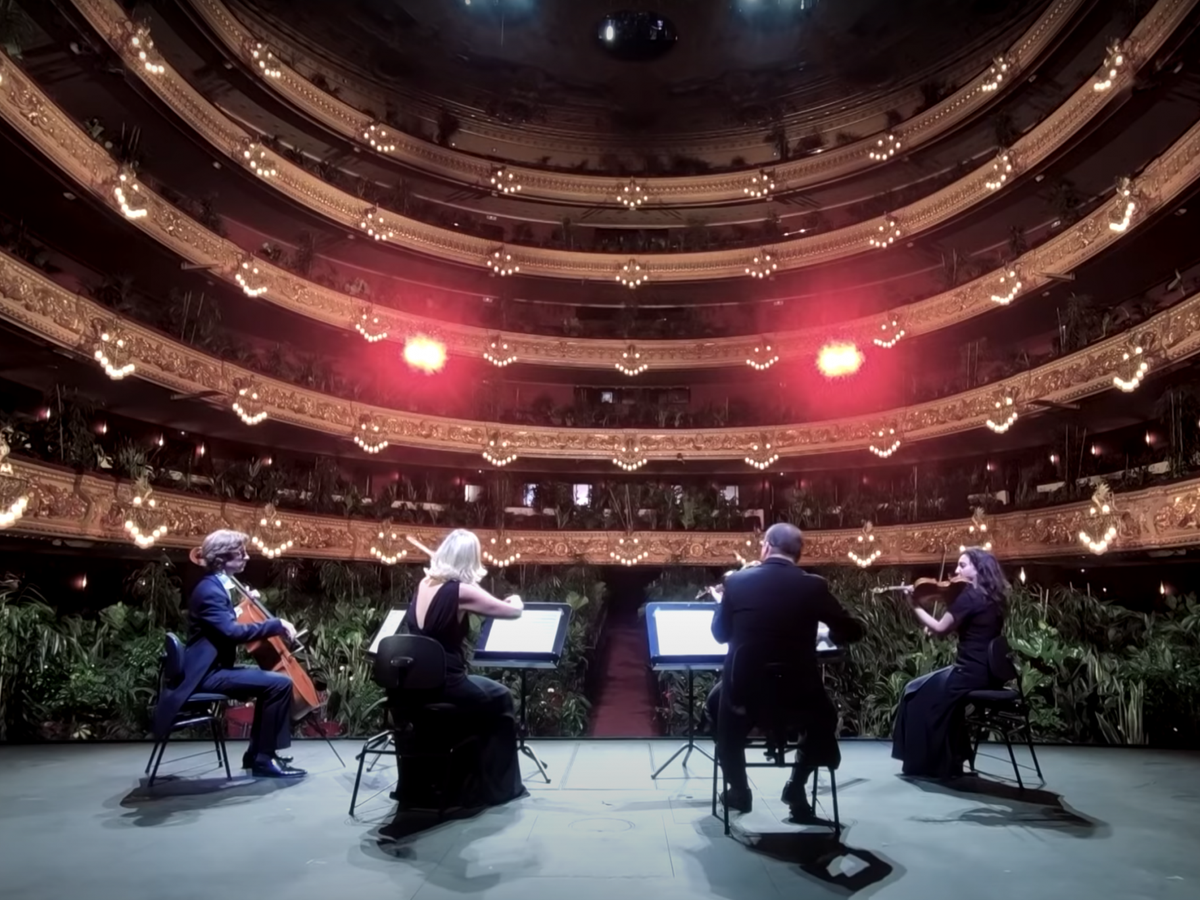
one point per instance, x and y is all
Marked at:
(1002, 711)
(775, 693)
(412, 671)
(199, 709)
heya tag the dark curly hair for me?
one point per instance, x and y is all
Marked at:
(989, 577)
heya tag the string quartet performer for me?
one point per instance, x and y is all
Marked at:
(214, 634)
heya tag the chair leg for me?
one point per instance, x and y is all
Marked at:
(150, 761)
(837, 819)
(1029, 744)
(1013, 758)
(362, 758)
(714, 785)
(162, 748)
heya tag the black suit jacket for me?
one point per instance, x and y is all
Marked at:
(213, 636)
(778, 605)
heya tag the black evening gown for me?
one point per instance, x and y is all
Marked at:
(494, 775)
(930, 734)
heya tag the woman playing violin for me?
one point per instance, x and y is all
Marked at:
(930, 735)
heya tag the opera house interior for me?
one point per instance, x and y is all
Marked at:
(391, 387)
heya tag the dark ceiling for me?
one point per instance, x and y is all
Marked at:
(733, 58)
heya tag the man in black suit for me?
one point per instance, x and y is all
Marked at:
(208, 664)
(774, 608)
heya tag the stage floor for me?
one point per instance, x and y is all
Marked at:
(76, 820)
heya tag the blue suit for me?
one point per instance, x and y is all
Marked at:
(214, 634)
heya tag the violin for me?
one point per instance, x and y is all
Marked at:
(924, 590)
(273, 654)
(718, 590)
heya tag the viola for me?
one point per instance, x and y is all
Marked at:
(274, 654)
(924, 590)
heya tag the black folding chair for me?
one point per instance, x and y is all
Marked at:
(1003, 711)
(780, 716)
(199, 709)
(412, 670)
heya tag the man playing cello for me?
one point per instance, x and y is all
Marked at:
(214, 633)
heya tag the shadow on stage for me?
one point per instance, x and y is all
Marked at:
(827, 861)
(1007, 805)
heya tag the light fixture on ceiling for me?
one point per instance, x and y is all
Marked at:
(760, 186)
(763, 265)
(632, 274)
(268, 66)
(1002, 420)
(887, 232)
(1008, 288)
(1002, 167)
(885, 148)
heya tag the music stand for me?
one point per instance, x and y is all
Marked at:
(391, 626)
(534, 641)
(680, 636)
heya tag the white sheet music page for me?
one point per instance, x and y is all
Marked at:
(534, 632)
(687, 632)
(391, 625)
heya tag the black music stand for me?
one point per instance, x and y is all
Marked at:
(680, 636)
(534, 641)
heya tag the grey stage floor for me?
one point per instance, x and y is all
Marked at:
(75, 821)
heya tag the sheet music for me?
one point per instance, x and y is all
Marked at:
(686, 632)
(391, 625)
(534, 632)
(825, 644)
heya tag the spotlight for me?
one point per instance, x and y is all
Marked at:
(424, 353)
(839, 360)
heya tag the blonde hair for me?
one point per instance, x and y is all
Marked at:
(458, 558)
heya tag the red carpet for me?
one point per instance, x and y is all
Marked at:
(625, 705)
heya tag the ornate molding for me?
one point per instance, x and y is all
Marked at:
(109, 19)
(341, 118)
(64, 504)
(55, 135)
(29, 299)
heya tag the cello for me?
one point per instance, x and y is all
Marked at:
(273, 654)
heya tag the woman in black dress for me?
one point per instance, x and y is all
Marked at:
(439, 610)
(930, 734)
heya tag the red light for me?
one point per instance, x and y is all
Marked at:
(839, 360)
(424, 353)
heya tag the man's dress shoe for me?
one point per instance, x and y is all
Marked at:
(272, 769)
(248, 760)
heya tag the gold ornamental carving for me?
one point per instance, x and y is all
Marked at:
(300, 186)
(64, 504)
(30, 300)
(62, 141)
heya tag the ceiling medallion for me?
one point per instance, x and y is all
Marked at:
(632, 195)
(366, 326)
(386, 546)
(498, 354)
(1124, 207)
(248, 276)
(248, 406)
(259, 161)
(146, 522)
(1008, 287)
(372, 223)
(113, 351)
(269, 537)
(995, 75)
(760, 186)
(14, 493)
(265, 61)
(761, 456)
(886, 443)
(867, 550)
(629, 551)
(501, 263)
(1004, 416)
(763, 265)
(1001, 168)
(1114, 61)
(888, 231)
(1103, 520)
(500, 545)
(377, 138)
(142, 47)
(632, 274)
(629, 455)
(977, 532)
(763, 357)
(892, 333)
(629, 365)
(367, 437)
(128, 194)
(504, 181)
(1133, 365)
(497, 453)
(885, 148)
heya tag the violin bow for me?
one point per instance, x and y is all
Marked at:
(412, 540)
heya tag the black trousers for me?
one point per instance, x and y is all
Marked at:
(272, 696)
(817, 722)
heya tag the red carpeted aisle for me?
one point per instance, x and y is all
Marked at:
(626, 697)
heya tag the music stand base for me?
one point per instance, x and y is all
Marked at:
(687, 748)
(523, 729)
